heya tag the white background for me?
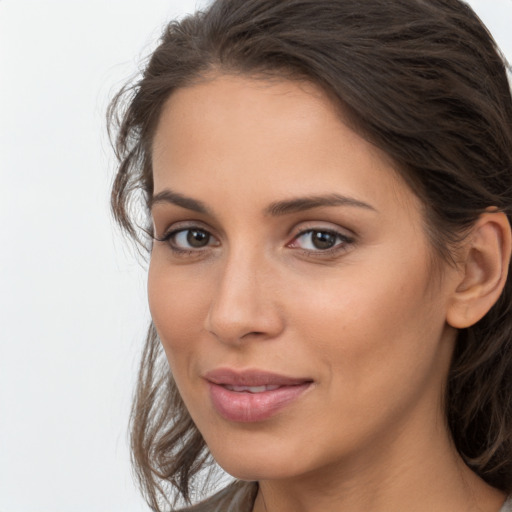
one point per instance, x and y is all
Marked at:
(72, 301)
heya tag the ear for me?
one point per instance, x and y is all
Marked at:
(483, 270)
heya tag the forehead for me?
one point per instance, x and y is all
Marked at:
(255, 135)
(240, 106)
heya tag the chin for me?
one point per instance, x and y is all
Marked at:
(257, 470)
(247, 461)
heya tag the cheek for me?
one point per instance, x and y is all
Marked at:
(373, 329)
(178, 304)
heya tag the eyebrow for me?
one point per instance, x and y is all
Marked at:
(168, 196)
(275, 209)
(307, 203)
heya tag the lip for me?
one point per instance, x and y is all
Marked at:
(245, 406)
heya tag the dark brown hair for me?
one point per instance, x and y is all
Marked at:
(421, 79)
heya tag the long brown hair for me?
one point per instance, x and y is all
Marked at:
(421, 79)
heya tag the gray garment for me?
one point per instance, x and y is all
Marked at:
(507, 506)
(236, 497)
(239, 497)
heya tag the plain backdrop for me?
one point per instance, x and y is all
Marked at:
(73, 310)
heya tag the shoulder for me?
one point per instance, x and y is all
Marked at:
(236, 497)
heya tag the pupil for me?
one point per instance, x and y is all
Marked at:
(197, 238)
(323, 239)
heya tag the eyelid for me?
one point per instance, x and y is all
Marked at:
(175, 227)
(330, 231)
(346, 239)
(179, 227)
(306, 227)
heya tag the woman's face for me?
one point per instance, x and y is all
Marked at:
(292, 285)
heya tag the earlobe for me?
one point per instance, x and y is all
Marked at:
(484, 270)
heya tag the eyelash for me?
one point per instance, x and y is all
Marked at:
(341, 245)
(179, 251)
(342, 242)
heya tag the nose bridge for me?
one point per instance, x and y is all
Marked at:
(243, 302)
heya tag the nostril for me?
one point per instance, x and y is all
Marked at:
(253, 333)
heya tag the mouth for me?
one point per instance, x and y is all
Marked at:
(252, 396)
(250, 389)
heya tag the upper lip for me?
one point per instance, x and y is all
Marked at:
(231, 377)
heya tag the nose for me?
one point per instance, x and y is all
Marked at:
(244, 304)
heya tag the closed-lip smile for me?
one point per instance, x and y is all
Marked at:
(252, 395)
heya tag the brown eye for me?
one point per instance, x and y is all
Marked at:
(197, 238)
(323, 239)
(189, 239)
(319, 240)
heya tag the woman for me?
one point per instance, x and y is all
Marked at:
(329, 186)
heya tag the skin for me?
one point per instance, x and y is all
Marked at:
(366, 320)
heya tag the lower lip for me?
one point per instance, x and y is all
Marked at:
(244, 407)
